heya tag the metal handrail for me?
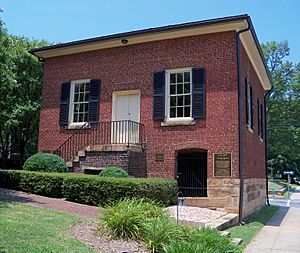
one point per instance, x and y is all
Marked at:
(106, 132)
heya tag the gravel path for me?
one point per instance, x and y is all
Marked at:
(90, 234)
(197, 215)
(50, 203)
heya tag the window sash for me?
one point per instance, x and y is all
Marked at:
(183, 107)
(81, 101)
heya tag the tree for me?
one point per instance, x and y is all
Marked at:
(27, 93)
(20, 92)
(283, 108)
(7, 83)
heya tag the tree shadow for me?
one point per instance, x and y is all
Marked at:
(7, 195)
(278, 217)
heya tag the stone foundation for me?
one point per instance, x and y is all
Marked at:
(225, 193)
(221, 193)
(254, 195)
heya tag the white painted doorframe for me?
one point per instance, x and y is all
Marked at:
(124, 132)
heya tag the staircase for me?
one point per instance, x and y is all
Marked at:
(102, 140)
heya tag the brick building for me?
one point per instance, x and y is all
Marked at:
(183, 101)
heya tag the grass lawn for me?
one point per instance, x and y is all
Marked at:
(31, 229)
(253, 224)
(276, 184)
(292, 189)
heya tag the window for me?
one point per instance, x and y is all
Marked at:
(249, 105)
(260, 119)
(80, 98)
(252, 108)
(179, 94)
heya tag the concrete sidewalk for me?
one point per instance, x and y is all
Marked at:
(281, 234)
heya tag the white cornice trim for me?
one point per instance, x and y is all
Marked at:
(255, 58)
(142, 38)
(246, 39)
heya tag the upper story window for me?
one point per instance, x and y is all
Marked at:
(79, 102)
(179, 94)
(260, 119)
(80, 98)
(249, 105)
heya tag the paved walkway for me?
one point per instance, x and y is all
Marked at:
(281, 234)
(50, 203)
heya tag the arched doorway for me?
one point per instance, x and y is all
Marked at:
(192, 172)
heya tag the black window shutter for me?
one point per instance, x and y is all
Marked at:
(64, 104)
(252, 107)
(247, 101)
(94, 100)
(159, 83)
(198, 90)
(262, 122)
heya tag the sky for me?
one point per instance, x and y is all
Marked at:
(69, 20)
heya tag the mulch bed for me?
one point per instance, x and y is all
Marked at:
(90, 234)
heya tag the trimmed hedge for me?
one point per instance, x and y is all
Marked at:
(88, 189)
(46, 184)
(45, 162)
(100, 191)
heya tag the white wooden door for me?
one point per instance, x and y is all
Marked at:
(126, 107)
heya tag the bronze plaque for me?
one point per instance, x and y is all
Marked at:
(159, 157)
(222, 165)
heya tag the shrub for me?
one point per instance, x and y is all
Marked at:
(89, 189)
(10, 179)
(34, 182)
(126, 219)
(204, 239)
(45, 162)
(102, 190)
(159, 232)
(113, 172)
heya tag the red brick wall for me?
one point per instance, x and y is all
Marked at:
(132, 67)
(253, 149)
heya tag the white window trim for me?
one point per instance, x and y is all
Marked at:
(183, 120)
(74, 125)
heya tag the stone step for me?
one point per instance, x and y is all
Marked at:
(69, 164)
(81, 153)
(237, 241)
(225, 233)
(226, 221)
(76, 159)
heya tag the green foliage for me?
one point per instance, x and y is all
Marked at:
(46, 184)
(159, 232)
(283, 114)
(126, 218)
(20, 92)
(45, 162)
(143, 220)
(254, 223)
(206, 240)
(96, 190)
(113, 171)
(90, 189)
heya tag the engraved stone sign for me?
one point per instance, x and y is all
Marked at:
(222, 165)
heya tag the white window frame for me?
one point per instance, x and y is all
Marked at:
(167, 96)
(71, 105)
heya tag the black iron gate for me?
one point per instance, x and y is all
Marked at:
(192, 174)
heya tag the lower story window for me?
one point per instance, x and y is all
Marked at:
(179, 94)
(80, 96)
